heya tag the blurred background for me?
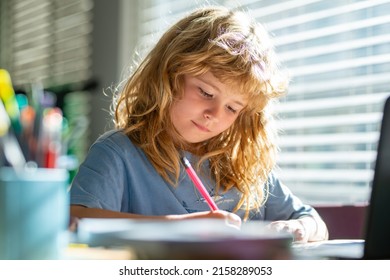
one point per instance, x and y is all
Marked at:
(337, 52)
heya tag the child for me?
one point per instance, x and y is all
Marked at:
(203, 92)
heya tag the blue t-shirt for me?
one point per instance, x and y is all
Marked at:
(116, 175)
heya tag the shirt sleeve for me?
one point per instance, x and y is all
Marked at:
(100, 182)
(282, 204)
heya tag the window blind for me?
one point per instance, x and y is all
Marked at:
(46, 40)
(49, 41)
(338, 55)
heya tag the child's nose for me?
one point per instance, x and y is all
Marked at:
(213, 113)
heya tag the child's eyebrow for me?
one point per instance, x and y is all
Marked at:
(239, 103)
(211, 84)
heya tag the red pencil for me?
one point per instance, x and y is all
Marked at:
(198, 184)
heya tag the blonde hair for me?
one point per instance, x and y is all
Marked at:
(238, 52)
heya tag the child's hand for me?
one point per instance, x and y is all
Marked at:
(305, 229)
(230, 218)
(294, 227)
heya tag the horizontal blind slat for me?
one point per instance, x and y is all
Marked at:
(340, 65)
(323, 14)
(328, 120)
(339, 84)
(332, 103)
(330, 175)
(332, 30)
(327, 157)
(328, 139)
(336, 47)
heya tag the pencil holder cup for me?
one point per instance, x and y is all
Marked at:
(34, 213)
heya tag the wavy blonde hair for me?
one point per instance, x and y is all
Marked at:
(238, 52)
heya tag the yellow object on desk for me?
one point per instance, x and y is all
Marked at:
(84, 252)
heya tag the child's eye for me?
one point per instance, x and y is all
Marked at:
(231, 109)
(205, 94)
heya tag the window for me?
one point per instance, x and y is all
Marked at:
(338, 54)
(47, 42)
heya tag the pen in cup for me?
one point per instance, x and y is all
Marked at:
(198, 184)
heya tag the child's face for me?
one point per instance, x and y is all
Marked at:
(208, 107)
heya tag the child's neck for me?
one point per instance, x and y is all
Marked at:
(197, 149)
